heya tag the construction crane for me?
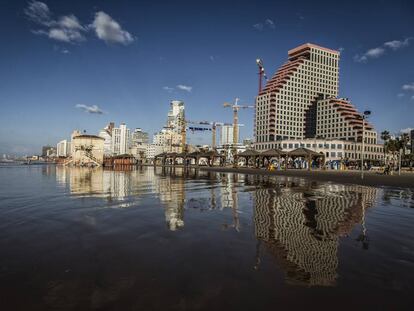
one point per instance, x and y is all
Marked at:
(261, 73)
(236, 107)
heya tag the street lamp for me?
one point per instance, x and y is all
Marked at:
(364, 116)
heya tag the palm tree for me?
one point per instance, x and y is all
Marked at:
(404, 139)
(385, 136)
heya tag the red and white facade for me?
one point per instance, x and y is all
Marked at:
(300, 104)
(310, 71)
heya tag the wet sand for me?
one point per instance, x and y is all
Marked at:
(406, 180)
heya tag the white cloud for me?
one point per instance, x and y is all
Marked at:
(270, 23)
(90, 109)
(397, 44)
(371, 53)
(184, 87)
(408, 87)
(412, 97)
(108, 30)
(400, 95)
(258, 26)
(267, 22)
(65, 35)
(38, 12)
(67, 29)
(341, 49)
(377, 52)
(70, 22)
(212, 58)
(168, 89)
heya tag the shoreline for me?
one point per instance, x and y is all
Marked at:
(406, 180)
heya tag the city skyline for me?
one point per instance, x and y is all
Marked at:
(80, 65)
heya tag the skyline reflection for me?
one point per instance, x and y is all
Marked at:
(299, 224)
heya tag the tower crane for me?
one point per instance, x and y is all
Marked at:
(214, 125)
(261, 73)
(236, 107)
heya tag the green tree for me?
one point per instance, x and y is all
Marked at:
(385, 136)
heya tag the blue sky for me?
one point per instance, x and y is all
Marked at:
(129, 58)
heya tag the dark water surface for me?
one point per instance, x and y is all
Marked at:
(83, 239)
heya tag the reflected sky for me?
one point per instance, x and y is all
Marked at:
(199, 238)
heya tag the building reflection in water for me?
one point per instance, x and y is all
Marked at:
(299, 223)
(301, 227)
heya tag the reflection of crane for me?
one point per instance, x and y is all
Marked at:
(261, 73)
(236, 108)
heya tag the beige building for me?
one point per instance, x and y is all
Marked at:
(168, 140)
(301, 102)
(87, 150)
(311, 70)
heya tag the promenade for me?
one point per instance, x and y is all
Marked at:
(406, 180)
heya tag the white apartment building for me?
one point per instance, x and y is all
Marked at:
(176, 116)
(120, 140)
(152, 150)
(170, 138)
(226, 135)
(311, 70)
(63, 148)
(106, 133)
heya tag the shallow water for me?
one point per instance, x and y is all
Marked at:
(153, 239)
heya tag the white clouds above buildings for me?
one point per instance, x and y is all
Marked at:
(108, 30)
(94, 109)
(267, 23)
(183, 87)
(379, 51)
(69, 29)
(408, 87)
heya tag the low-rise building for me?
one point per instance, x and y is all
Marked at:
(333, 149)
(87, 150)
(152, 150)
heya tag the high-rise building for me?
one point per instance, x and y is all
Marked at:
(176, 116)
(63, 148)
(139, 137)
(226, 135)
(106, 133)
(337, 118)
(310, 71)
(120, 140)
(301, 102)
(169, 139)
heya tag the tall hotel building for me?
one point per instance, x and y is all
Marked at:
(300, 102)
